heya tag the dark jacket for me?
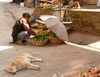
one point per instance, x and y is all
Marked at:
(18, 27)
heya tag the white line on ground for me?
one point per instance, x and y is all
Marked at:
(5, 47)
(81, 46)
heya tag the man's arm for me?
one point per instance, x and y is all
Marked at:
(26, 26)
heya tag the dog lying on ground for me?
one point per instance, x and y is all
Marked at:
(23, 62)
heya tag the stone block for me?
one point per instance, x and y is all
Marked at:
(90, 1)
(28, 3)
(86, 21)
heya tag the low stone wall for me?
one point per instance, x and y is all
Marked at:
(38, 11)
(90, 1)
(28, 3)
(85, 21)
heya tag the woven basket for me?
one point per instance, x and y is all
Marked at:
(42, 43)
(55, 40)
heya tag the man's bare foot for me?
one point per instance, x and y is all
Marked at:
(20, 42)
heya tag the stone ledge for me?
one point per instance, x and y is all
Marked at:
(86, 20)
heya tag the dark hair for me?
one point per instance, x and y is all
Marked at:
(26, 15)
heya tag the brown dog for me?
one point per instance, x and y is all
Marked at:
(23, 62)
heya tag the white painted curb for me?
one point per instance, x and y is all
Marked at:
(81, 46)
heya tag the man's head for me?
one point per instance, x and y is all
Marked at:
(26, 16)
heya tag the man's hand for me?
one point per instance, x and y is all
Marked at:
(31, 36)
(36, 35)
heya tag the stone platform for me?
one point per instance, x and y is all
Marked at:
(85, 20)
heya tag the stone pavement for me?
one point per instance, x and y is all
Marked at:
(56, 58)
